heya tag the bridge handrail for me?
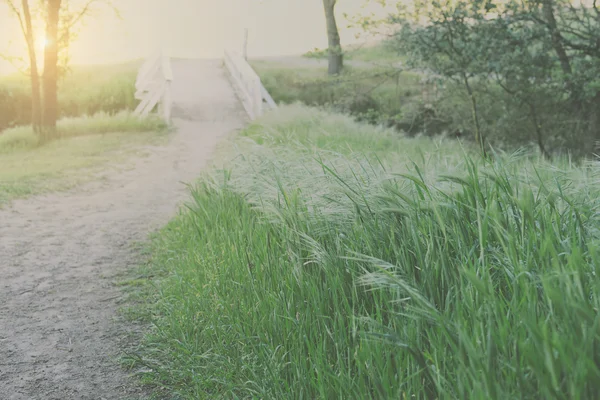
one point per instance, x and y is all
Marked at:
(248, 84)
(153, 86)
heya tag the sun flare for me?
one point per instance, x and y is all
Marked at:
(43, 42)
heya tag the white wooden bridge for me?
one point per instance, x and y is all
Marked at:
(158, 86)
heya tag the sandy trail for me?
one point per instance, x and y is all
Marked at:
(60, 253)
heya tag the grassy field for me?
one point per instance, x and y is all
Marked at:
(337, 260)
(86, 143)
(377, 94)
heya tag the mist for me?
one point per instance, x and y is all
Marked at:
(193, 29)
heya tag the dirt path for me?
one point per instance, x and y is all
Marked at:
(60, 254)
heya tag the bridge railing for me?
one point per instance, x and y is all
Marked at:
(247, 83)
(153, 86)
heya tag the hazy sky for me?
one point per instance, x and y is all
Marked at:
(194, 28)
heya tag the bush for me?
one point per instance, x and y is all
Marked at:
(85, 91)
(18, 138)
(15, 106)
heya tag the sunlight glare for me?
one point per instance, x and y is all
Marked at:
(43, 42)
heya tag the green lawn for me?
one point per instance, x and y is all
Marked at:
(334, 260)
(86, 145)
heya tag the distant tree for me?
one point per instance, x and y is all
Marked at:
(336, 63)
(50, 77)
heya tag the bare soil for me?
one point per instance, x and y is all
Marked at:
(61, 254)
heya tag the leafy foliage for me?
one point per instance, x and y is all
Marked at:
(542, 54)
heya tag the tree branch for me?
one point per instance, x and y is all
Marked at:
(75, 20)
(82, 13)
(16, 11)
(12, 61)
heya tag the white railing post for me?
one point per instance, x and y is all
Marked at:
(153, 86)
(248, 85)
(257, 97)
(167, 101)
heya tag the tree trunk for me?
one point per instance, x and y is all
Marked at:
(557, 41)
(50, 77)
(594, 123)
(36, 99)
(333, 38)
(537, 126)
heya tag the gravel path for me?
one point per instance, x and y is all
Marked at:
(60, 254)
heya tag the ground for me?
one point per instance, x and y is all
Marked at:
(60, 254)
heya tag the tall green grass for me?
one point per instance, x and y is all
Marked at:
(388, 268)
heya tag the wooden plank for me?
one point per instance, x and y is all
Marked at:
(240, 84)
(267, 97)
(248, 84)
